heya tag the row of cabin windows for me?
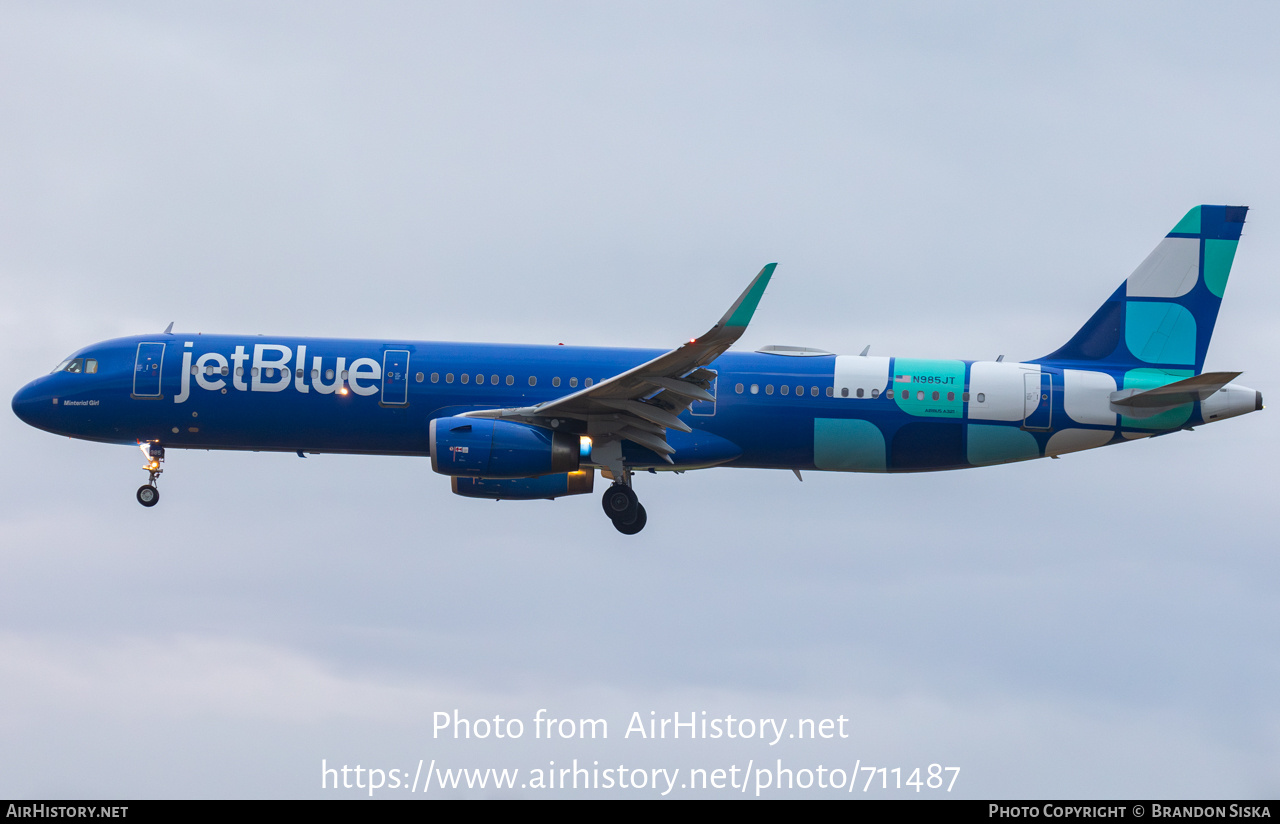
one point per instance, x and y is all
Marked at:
(464, 378)
(90, 365)
(844, 393)
(782, 390)
(267, 372)
(510, 380)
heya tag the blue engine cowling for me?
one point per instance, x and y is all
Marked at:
(546, 487)
(484, 448)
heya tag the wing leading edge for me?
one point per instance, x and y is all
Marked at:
(641, 404)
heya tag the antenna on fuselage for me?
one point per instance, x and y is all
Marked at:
(168, 330)
(865, 350)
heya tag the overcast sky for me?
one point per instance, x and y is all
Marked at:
(935, 180)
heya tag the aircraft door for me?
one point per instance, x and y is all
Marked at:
(1037, 406)
(395, 377)
(146, 370)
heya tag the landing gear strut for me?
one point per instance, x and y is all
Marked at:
(624, 509)
(148, 495)
(619, 502)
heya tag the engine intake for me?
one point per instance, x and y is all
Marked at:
(484, 448)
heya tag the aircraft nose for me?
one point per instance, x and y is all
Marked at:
(32, 405)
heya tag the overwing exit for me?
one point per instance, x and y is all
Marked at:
(538, 422)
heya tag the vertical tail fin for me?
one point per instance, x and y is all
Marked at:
(1162, 317)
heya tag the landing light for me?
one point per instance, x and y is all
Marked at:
(584, 446)
(342, 391)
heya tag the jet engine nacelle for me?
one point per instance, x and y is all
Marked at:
(483, 448)
(545, 487)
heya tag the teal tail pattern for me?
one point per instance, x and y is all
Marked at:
(1162, 316)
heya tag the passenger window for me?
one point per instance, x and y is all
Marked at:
(587, 382)
(573, 382)
(555, 381)
(768, 389)
(91, 366)
(889, 394)
(919, 396)
(253, 371)
(859, 392)
(982, 398)
(493, 379)
(435, 377)
(738, 389)
(951, 396)
(448, 378)
(813, 391)
(965, 397)
(224, 370)
(755, 389)
(298, 375)
(419, 377)
(344, 374)
(480, 379)
(193, 369)
(875, 393)
(830, 391)
(465, 378)
(784, 389)
(328, 374)
(533, 381)
(935, 396)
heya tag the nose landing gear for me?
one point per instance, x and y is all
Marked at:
(148, 495)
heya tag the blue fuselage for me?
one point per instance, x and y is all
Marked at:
(771, 411)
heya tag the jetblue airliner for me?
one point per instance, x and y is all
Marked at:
(536, 422)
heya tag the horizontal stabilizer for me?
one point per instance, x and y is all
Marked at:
(1174, 394)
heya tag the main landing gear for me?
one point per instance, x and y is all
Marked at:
(148, 495)
(624, 509)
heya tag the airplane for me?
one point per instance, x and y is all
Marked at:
(537, 422)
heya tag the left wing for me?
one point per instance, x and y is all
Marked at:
(641, 404)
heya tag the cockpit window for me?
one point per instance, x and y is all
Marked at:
(78, 365)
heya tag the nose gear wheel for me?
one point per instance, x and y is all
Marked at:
(148, 494)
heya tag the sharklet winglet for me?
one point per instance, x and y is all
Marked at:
(744, 307)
